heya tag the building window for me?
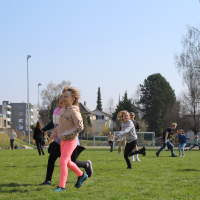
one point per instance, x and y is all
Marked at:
(4, 123)
(20, 113)
(100, 117)
(21, 120)
(20, 106)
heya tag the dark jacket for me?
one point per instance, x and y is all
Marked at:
(38, 134)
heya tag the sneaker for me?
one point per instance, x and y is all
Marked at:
(157, 154)
(133, 159)
(173, 155)
(80, 180)
(183, 155)
(89, 170)
(180, 155)
(129, 168)
(59, 189)
(45, 183)
(118, 153)
(143, 151)
(137, 159)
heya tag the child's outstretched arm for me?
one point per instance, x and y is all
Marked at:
(78, 127)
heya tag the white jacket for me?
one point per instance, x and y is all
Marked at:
(12, 135)
(128, 130)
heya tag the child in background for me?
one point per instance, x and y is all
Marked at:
(128, 130)
(12, 136)
(196, 138)
(70, 124)
(182, 141)
(110, 139)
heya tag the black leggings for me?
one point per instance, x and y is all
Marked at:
(111, 145)
(194, 145)
(129, 152)
(39, 146)
(55, 153)
(12, 143)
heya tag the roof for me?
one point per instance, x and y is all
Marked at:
(84, 109)
(102, 112)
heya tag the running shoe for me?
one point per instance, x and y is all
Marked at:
(89, 170)
(80, 180)
(45, 183)
(137, 159)
(59, 189)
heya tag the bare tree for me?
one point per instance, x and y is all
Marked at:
(52, 91)
(136, 96)
(188, 64)
(110, 108)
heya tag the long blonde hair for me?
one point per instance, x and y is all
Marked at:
(75, 93)
(121, 113)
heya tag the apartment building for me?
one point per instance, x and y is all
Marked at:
(17, 114)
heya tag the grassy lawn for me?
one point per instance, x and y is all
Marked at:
(5, 141)
(154, 177)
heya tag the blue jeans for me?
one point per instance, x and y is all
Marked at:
(164, 145)
(181, 146)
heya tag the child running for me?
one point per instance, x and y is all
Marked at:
(70, 124)
(128, 130)
(54, 149)
(196, 138)
(182, 141)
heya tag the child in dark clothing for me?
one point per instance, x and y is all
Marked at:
(182, 141)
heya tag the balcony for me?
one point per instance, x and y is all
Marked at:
(9, 119)
(6, 112)
(6, 107)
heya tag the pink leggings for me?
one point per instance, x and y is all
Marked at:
(67, 148)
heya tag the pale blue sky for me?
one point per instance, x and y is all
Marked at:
(112, 44)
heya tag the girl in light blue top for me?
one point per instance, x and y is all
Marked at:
(196, 140)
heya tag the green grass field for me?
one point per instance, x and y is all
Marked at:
(154, 177)
(5, 141)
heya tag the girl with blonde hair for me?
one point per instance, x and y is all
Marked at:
(128, 130)
(70, 124)
(182, 141)
(196, 140)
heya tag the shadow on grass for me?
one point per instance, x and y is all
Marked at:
(28, 166)
(11, 185)
(189, 170)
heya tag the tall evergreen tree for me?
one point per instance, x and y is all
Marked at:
(124, 104)
(99, 103)
(157, 100)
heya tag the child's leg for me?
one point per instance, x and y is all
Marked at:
(183, 146)
(171, 147)
(67, 148)
(119, 147)
(124, 144)
(128, 149)
(179, 149)
(136, 149)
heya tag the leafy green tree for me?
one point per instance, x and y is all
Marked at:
(157, 99)
(99, 103)
(124, 104)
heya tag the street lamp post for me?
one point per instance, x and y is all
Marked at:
(39, 84)
(28, 56)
